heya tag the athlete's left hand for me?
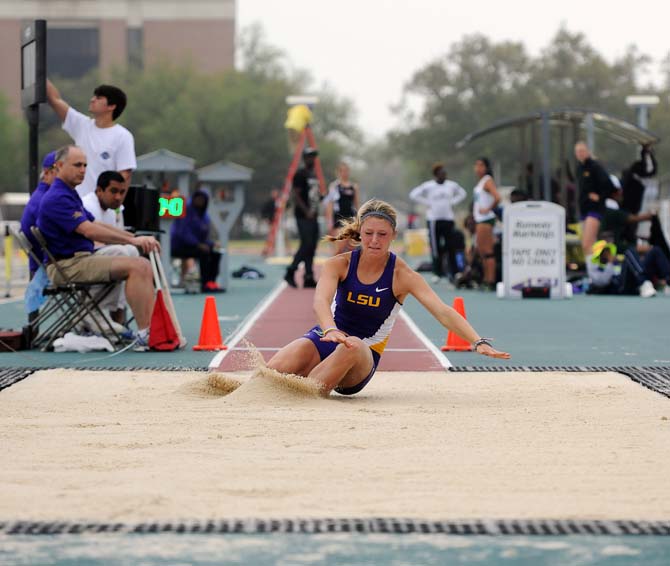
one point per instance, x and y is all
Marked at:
(486, 350)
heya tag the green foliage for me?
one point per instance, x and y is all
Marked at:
(14, 162)
(237, 115)
(479, 82)
(384, 175)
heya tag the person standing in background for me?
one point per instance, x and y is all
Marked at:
(108, 146)
(485, 199)
(440, 195)
(595, 186)
(342, 202)
(306, 199)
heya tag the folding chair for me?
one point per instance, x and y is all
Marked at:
(80, 301)
(57, 305)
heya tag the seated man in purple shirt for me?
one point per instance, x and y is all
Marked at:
(70, 231)
(29, 217)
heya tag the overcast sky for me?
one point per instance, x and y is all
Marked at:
(367, 49)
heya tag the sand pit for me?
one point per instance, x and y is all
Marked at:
(131, 446)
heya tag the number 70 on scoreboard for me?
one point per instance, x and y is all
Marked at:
(171, 207)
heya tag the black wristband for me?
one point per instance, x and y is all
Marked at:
(481, 341)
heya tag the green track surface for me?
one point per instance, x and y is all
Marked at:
(239, 300)
(585, 330)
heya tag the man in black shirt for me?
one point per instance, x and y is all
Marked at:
(306, 199)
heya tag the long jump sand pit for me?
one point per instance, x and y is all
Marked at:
(136, 446)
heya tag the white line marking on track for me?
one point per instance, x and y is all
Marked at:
(441, 358)
(254, 315)
(246, 324)
(276, 348)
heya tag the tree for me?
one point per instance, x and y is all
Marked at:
(13, 141)
(479, 82)
(237, 115)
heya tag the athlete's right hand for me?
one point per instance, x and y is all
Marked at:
(337, 336)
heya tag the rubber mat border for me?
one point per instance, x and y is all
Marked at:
(497, 527)
(10, 376)
(656, 378)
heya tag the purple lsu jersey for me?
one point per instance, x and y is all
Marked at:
(367, 311)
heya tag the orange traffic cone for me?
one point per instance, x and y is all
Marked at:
(210, 333)
(454, 342)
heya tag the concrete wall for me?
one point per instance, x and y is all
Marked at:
(210, 45)
(10, 62)
(113, 45)
(200, 31)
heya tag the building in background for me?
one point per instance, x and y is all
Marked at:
(85, 34)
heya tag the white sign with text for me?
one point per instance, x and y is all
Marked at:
(534, 248)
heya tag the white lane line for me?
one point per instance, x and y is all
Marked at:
(441, 358)
(275, 349)
(246, 324)
(254, 315)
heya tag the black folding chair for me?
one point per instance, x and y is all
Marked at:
(58, 304)
(77, 301)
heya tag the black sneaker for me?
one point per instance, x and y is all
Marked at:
(290, 279)
(309, 283)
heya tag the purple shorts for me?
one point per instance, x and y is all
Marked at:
(593, 214)
(325, 349)
(591, 209)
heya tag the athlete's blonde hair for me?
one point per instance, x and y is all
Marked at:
(351, 228)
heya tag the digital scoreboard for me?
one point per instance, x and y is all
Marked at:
(171, 207)
(34, 63)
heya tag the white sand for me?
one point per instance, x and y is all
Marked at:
(135, 446)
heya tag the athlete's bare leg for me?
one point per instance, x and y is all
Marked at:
(347, 366)
(299, 357)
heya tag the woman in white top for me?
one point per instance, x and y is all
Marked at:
(485, 199)
(342, 202)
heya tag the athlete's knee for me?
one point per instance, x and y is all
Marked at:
(355, 347)
(298, 357)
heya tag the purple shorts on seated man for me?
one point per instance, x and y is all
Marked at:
(325, 349)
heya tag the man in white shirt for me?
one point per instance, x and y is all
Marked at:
(440, 195)
(106, 206)
(108, 146)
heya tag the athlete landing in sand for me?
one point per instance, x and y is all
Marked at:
(357, 300)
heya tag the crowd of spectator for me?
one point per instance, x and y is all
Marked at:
(619, 253)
